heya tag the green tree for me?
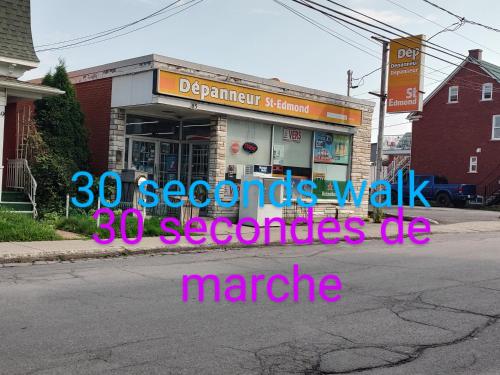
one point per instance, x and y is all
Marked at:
(60, 120)
(63, 145)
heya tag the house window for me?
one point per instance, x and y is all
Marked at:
(473, 164)
(453, 94)
(487, 93)
(495, 133)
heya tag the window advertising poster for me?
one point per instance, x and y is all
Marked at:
(292, 135)
(324, 175)
(171, 163)
(324, 188)
(331, 148)
(342, 145)
(323, 148)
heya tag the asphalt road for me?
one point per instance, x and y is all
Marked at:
(445, 215)
(405, 310)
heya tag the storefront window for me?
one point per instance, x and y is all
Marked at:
(321, 156)
(169, 156)
(292, 147)
(248, 143)
(143, 156)
(292, 152)
(331, 162)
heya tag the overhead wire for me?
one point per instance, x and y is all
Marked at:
(329, 31)
(114, 29)
(430, 45)
(441, 26)
(184, 6)
(462, 18)
(307, 4)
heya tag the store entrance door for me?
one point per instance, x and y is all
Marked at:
(194, 164)
(194, 167)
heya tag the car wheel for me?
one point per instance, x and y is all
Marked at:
(443, 200)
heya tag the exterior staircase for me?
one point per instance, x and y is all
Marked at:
(492, 192)
(400, 163)
(20, 195)
(16, 201)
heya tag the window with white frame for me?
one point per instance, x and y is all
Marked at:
(495, 132)
(453, 94)
(487, 92)
(473, 164)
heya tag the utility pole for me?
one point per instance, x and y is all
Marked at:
(381, 121)
(349, 82)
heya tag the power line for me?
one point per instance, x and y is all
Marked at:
(115, 29)
(307, 4)
(336, 35)
(362, 78)
(330, 31)
(393, 125)
(84, 43)
(430, 45)
(327, 29)
(371, 40)
(461, 18)
(441, 26)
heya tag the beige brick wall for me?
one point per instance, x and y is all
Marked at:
(217, 166)
(116, 139)
(361, 158)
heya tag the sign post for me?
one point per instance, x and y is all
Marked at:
(377, 213)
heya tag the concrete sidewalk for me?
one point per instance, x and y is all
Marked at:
(21, 252)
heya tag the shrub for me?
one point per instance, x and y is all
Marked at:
(53, 175)
(16, 227)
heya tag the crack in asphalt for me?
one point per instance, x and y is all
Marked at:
(307, 359)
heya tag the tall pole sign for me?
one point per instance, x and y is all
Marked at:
(406, 75)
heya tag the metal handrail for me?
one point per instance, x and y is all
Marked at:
(491, 188)
(19, 176)
(396, 165)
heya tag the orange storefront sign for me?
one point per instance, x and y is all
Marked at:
(405, 83)
(204, 90)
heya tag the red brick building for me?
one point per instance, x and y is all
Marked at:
(458, 133)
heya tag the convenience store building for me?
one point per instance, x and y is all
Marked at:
(173, 119)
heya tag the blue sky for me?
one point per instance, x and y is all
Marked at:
(258, 37)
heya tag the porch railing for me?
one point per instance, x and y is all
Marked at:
(19, 177)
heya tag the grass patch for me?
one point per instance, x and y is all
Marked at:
(15, 227)
(87, 226)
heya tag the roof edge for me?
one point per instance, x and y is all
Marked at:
(468, 59)
(151, 62)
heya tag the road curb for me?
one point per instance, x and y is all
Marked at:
(123, 251)
(410, 218)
